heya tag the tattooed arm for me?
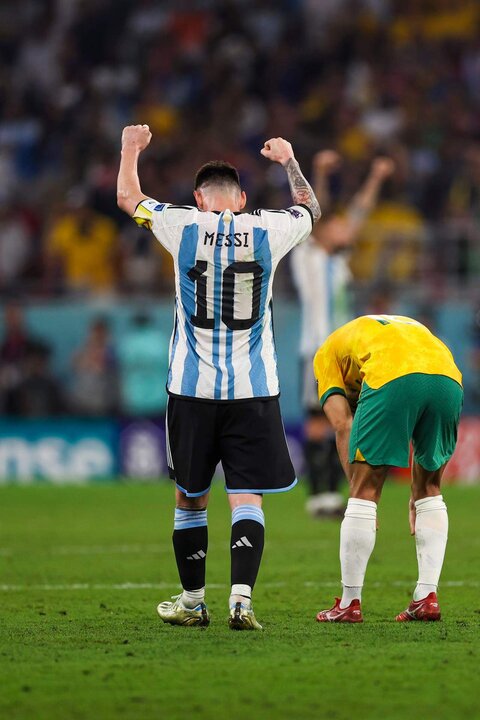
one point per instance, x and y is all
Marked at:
(279, 150)
(302, 193)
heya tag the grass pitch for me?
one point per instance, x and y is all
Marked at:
(82, 570)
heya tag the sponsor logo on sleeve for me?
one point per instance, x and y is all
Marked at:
(294, 213)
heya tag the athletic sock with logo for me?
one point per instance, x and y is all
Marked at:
(190, 543)
(357, 540)
(431, 532)
(247, 541)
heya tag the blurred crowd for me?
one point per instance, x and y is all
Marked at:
(214, 79)
(106, 377)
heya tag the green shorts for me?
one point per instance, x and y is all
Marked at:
(418, 407)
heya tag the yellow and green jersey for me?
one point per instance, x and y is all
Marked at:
(376, 349)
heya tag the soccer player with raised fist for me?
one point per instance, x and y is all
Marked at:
(321, 273)
(222, 382)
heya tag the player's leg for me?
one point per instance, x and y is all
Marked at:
(430, 524)
(190, 543)
(357, 540)
(431, 527)
(323, 471)
(246, 549)
(434, 439)
(379, 437)
(256, 461)
(192, 460)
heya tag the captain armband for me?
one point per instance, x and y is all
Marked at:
(143, 214)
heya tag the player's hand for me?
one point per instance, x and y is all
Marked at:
(382, 168)
(137, 136)
(412, 515)
(326, 161)
(278, 150)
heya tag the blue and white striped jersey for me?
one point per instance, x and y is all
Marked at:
(222, 346)
(322, 282)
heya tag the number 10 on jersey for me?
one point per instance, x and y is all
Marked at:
(230, 291)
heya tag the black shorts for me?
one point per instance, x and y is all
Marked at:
(247, 437)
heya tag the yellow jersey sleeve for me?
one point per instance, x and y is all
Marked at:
(328, 372)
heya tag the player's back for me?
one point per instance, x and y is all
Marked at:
(223, 345)
(399, 345)
(381, 348)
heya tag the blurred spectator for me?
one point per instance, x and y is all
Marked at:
(16, 345)
(94, 384)
(213, 79)
(143, 361)
(146, 265)
(15, 247)
(81, 248)
(39, 394)
(475, 354)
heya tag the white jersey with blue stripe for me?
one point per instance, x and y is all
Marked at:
(322, 282)
(222, 346)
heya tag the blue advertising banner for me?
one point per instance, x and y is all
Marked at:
(63, 451)
(142, 449)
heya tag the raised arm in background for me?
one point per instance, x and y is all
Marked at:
(281, 151)
(135, 138)
(327, 161)
(324, 164)
(366, 198)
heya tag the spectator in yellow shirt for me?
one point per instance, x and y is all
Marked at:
(81, 248)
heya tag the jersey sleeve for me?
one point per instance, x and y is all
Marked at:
(287, 228)
(300, 264)
(165, 220)
(328, 372)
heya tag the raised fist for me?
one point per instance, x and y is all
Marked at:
(326, 161)
(278, 150)
(137, 136)
(383, 167)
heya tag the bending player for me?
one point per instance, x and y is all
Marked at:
(322, 276)
(405, 387)
(222, 382)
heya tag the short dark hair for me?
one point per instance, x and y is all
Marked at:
(217, 172)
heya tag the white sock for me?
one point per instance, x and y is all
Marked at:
(422, 590)
(241, 593)
(357, 540)
(192, 598)
(349, 594)
(431, 533)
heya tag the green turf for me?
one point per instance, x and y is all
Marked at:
(78, 642)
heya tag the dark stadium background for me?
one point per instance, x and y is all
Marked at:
(84, 337)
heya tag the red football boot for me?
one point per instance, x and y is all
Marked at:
(350, 614)
(426, 609)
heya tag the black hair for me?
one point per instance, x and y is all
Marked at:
(217, 172)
